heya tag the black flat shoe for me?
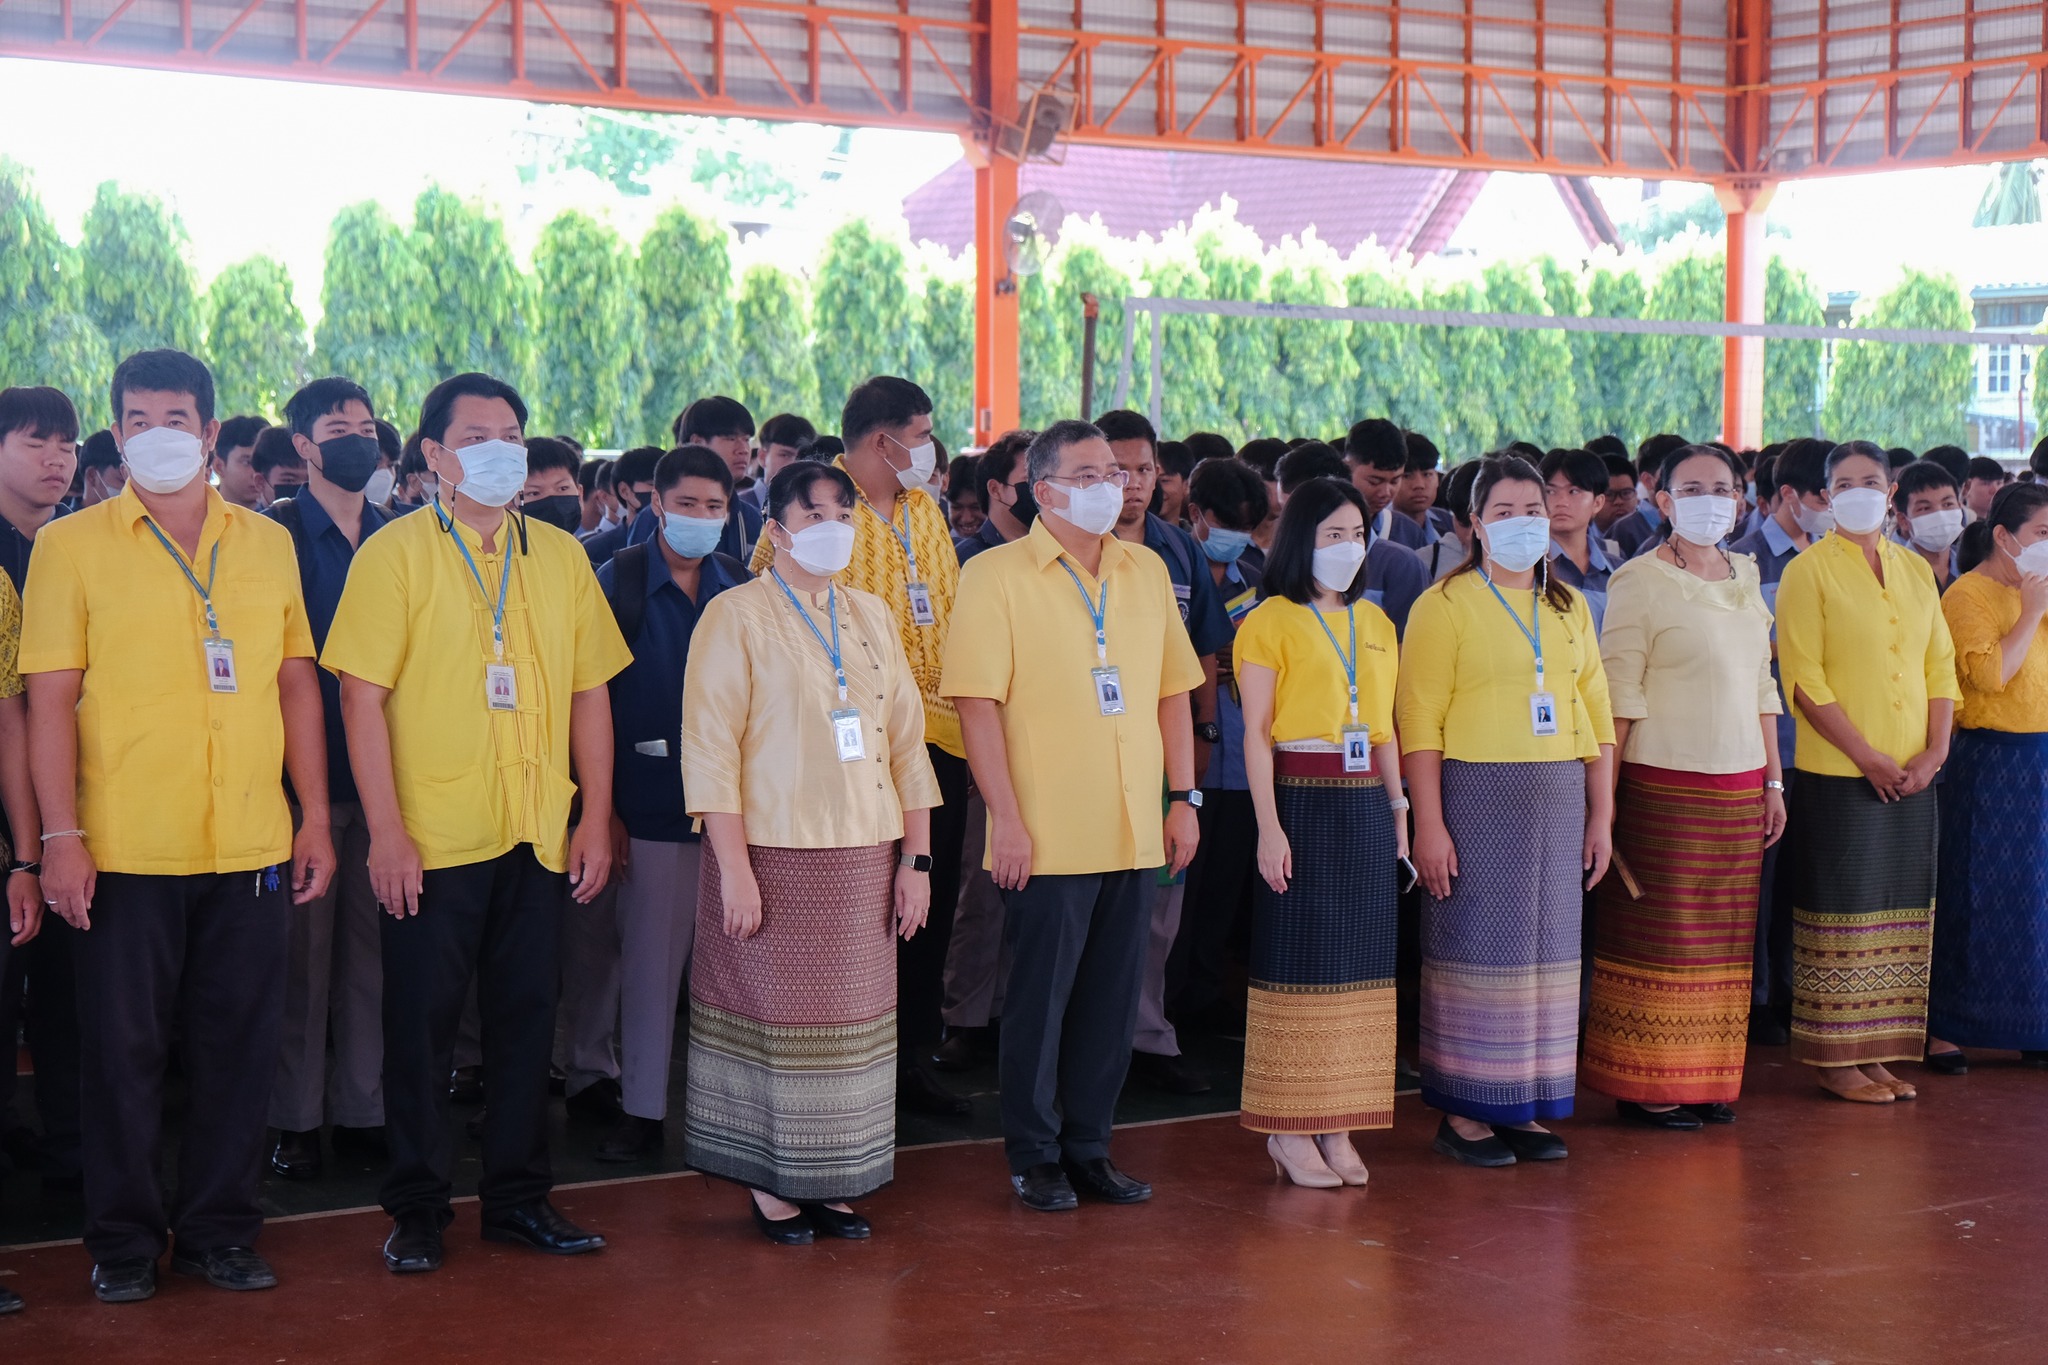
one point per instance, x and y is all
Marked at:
(238, 1269)
(2032, 1057)
(960, 1051)
(784, 1232)
(541, 1226)
(1105, 1182)
(128, 1280)
(1174, 1075)
(414, 1246)
(1950, 1063)
(1486, 1151)
(1768, 1033)
(1711, 1113)
(363, 1144)
(920, 1092)
(1529, 1146)
(832, 1223)
(296, 1155)
(10, 1302)
(631, 1139)
(598, 1102)
(1680, 1120)
(1045, 1189)
(466, 1085)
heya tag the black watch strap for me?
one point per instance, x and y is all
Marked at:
(916, 862)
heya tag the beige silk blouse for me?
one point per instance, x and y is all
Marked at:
(758, 737)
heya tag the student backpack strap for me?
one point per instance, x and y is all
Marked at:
(628, 596)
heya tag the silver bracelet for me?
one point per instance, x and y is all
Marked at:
(1399, 803)
(1774, 786)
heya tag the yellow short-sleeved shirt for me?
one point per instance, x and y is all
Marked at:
(1311, 698)
(1089, 785)
(174, 779)
(10, 639)
(474, 782)
(1881, 650)
(1980, 610)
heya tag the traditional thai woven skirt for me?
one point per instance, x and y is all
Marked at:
(1990, 983)
(792, 1082)
(1670, 1013)
(1862, 919)
(1319, 1032)
(1500, 958)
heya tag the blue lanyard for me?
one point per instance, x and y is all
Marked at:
(1098, 613)
(902, 536)
(1535, 636)
(504, 577)
(206, 591)
(831, 610)
(1351, 662)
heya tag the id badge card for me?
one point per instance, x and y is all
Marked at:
(1357, 749)
(846, 736)
(921, 605)
(220, 665)
(1542, 714)
(501, 689)
(1109, 689)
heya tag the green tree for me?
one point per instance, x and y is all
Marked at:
(2013, 196)
(1193, 397)
(1540, 401)
(1611, 400)
(588, 385)
(1681, 388)
(1564, 290)
(1472, 370)
(1909, 395)
(44, 337)
(478, 304)
(1084, 269)
(863, 311)
(772, 321)
(255, 337)
(685, 279)
(1229, 256)
(1315, 372)
(620, 150)
(76, 359)
(1048, 386)
(1397, 376)
(374, 324)
(1791, 368)
(138, 286)
(947, 373)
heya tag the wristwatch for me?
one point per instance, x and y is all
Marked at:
(1193, 798)
(1209, 732)
(916, 862)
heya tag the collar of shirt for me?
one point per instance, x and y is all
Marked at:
(1775, 537)
(906, 499)
(220, 514)
(1596, 555)
(317, 521)
(1045, 549)
(1649, 513)
(712, 575)
(990, 534)
(509, 532)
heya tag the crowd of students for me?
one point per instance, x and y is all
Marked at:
(378, 775)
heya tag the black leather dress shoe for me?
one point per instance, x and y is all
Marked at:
(920, 1092)
(1950, 1063)
(1045, 1188)
(784, 1232)
(1407, 1080)
(1174, 1075)
(466, 1085)
(361, 1144)
(960, 1051)
(1768, 1033)
(414, 1246)
(631, 1139)
(540, 1226)
(597, 1102)
(10, 1302)
(297, 1155)
(128, 1280)
(1679, 1120)
(237, 1268)
(2033, 1057)
(832, 1223)
(1712, 1113)
(1105, 1182)
(1486, 1151)
(1528, 1146)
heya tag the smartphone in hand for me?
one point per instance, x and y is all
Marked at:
(1409, 876)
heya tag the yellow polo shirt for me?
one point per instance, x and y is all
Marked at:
(473, 782)
(1881, 650)
(1088, 784)
(880, 567)
(1311, 695)
(174, 779)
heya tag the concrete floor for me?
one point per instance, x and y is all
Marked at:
(1810, 1231)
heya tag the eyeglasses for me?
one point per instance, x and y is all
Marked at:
(1119, 477)
(1700, 490)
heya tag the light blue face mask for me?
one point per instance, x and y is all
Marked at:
(691, 537)
(1225, 546)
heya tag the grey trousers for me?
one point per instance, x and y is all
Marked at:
(976, 958)
(334, 979)
(587, 1020)
(657, 926)
(1154, 1034)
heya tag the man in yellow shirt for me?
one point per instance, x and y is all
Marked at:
(171, 684)
(903, 553)
(473, 648)
(1071, 671)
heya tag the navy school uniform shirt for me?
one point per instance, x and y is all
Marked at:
(987, 538)
(14, 549)
(1201, 604)
(647, 701)
(1592, 583)
(1395, 576)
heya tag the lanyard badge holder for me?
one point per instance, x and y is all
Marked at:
(1105, 677)
(220, 653)
(1357, 738)
(846, 732)
(1542, 705)
(920, 593)
(501, 685)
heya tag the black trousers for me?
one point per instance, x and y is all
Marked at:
(498, 922)
(39, 995)
(1217, 906)
(1077, 957)
(921, 961)
(199, 959)
(1770, 989)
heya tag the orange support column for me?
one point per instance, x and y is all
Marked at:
(1742, 369)
(996, 397)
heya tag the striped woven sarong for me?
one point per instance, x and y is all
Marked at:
(1862, 921)
(1319, 1030)
(1500, 958)
(1990, 981)
(792, 1081)
(1670, 1012)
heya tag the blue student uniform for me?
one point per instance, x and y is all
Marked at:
(1239, 593)
(1201, 606)
(1635, 528)
(1592, 584)
(323, 569)
(1405, 531)
(1396, 577)
(15, 547)
(647, 701)
(987, 538)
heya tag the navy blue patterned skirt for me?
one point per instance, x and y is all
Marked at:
(1990, 975)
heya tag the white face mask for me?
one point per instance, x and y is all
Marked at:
(493, 472)
(1702, 520)
(163, 459)
(1937, 530)
(1816, 522)
(924, 459)
(1093, 510)
(1516, 543)
(1859, 511)
(823, 548)
(378, 489)
(2032, 560)
(1336, 566)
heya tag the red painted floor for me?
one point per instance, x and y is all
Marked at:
(1810, 1231)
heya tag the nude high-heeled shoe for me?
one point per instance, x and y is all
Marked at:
(1342, 1158)
(1316, 1177)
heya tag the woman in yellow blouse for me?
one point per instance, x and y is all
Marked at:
(803, 753)
(1508, 744)
(1869, 671)
(1316, 669)
(1687, 645)
(1990, 976)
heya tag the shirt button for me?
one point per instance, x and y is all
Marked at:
(220, 782)
(216, 725)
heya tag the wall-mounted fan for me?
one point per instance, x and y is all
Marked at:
(1031, 232)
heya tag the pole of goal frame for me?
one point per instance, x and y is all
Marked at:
(1123, 373)
(1158, 404)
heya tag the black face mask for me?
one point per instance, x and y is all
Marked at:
(1025, 509)
(560, 509)
(349, 461)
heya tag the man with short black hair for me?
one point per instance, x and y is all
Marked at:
(1639, 527)
(1621, 491)
(551, 492)
(632, 488)
(234, 467)
(277, 465)
(723, 425)
(1415, 520)
(1986, 477)
(784, 439)
(1575, 484)
(1175, 462)
(1377, 452)
(101, 475)
(1005, 492)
